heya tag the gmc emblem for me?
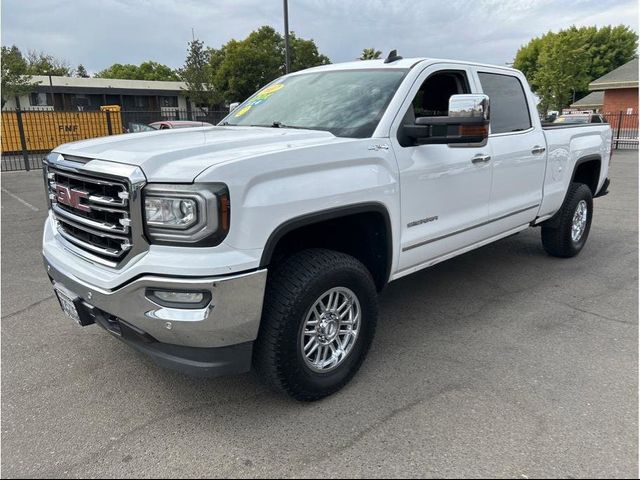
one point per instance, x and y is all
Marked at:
(70, 197)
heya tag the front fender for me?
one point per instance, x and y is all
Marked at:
(267, 191)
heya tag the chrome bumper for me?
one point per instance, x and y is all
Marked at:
(231, 318)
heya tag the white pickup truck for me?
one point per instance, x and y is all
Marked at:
(263, 241)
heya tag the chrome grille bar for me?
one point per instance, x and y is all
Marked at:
(97, 225)
(109, 252)
(91, 212)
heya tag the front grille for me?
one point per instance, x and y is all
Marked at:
(92, 213)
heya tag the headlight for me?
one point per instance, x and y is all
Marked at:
(170, 212)
(197, 214)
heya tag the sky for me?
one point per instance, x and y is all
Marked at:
(98, 33)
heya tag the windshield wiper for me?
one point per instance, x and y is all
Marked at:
(277, 124)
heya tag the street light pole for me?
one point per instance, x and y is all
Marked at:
(286, 36)
(53, 103)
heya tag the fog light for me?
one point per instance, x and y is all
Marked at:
(179, 298)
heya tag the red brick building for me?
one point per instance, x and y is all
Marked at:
(620, 88)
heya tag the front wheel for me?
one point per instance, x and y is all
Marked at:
(318, 322)
(568, 233)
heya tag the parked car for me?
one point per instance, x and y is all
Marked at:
(265, 240)
(580, 118)
(134, 127)
(164, 124)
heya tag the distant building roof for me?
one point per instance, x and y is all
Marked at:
(593, 100)
(107, 85)
(625, 76)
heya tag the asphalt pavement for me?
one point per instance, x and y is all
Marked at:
(503, 362)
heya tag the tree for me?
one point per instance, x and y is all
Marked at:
(245, 66)
(560, 65)
(81, 72)
(16, 80)
(370, 54)
(198, 76)
(241, 67)
(40, 63)
(562, 70)
(148, 70)
(157, 71)
(304, 53)
(118, 70)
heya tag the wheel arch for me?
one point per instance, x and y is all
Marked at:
(322, 217)
(587, 170)
(582, 175)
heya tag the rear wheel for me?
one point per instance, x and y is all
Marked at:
(318, 322)
(567, 233)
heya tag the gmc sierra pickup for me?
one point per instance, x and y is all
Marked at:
(263, 241)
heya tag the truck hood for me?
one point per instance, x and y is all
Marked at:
(180, 155)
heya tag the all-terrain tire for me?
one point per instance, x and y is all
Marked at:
(293, 287)
(560, 237)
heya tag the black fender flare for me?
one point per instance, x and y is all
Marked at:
(330, 214)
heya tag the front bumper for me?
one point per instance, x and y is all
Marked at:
(232, 317)
(193, 361)
(210, 341)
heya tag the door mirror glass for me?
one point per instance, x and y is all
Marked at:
(469, 106)
(466, 123)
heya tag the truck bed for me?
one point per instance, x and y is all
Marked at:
(556, 126)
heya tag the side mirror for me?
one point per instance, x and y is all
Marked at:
(233, 106)
(467, 122)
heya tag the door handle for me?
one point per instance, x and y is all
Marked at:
(480, 158)
(537, 150)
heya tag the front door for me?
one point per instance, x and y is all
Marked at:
(444, 189)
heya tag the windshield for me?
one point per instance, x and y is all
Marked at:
(139, 127)
(346, 103)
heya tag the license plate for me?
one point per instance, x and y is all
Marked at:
(66, 303)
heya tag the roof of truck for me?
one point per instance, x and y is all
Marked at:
(402, 63)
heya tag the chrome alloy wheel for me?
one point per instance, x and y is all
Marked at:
(330, 329)
(579, 221)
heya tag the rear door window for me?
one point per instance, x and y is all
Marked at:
(508, 102)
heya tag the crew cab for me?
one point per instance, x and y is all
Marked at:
(264, 241)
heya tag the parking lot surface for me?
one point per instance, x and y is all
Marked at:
(503, 362)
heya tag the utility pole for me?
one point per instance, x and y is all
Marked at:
(53, 103)
(286, 36)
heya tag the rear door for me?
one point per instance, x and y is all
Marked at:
(518, 150)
